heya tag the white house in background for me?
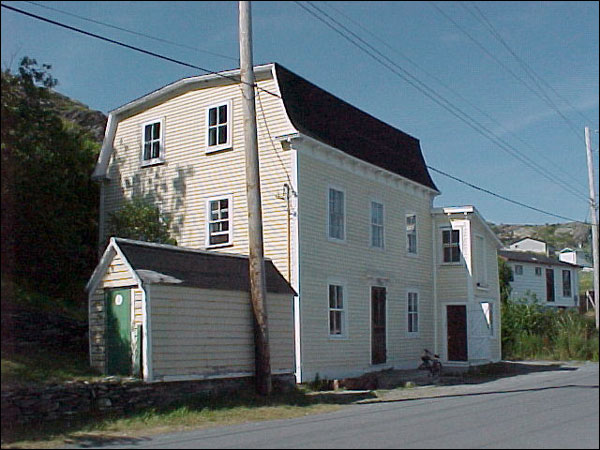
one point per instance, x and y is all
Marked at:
(551, 281)
(347, 213)
(528, 244)
(575, 256)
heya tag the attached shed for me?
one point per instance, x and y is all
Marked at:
(166, 313)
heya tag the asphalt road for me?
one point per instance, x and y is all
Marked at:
(556, 408)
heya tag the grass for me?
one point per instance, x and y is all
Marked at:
(193, 413)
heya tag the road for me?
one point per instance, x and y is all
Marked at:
(548, 409)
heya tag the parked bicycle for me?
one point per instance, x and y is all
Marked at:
(431, 362)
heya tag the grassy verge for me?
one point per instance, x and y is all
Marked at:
(193, 413)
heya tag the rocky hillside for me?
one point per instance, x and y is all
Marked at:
(560, 235)
(77, 113)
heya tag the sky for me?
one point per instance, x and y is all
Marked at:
(498, 93)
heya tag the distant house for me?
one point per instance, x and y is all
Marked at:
(575, 256)
(537, 276)
(529, 244)
(347, 213)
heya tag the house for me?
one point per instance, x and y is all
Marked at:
(348, 217)
(576, 256)
(166, 313)
(551, 281)
(528, 244)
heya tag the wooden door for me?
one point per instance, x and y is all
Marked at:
(457, 332)
(378, 325)
(118, 332)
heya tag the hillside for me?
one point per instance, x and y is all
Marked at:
(560, 235)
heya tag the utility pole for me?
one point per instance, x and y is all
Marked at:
(594, 214)
(256, 259)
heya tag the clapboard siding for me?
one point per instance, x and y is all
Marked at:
(189, 176)
(118, 274)
(200, 332)
(358, 266)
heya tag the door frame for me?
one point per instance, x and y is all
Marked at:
(445, 327)
(371, 324)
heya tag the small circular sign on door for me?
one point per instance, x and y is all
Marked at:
(118, 300)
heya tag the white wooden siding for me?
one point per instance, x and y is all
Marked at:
(523, 286)
(208, 333)
(359, 266)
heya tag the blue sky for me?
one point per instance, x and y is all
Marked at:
(524, 74)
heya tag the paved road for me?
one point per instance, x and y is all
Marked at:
(547, 409)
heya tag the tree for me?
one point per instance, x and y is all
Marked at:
(141, 220)
(505, 276)
(49, 202)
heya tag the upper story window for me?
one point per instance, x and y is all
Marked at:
(518, 269)
(218, 122)
(480, 262)
(413, 312)
(566, 279)
(336, 214)
(337, 319)
(411, 233)
(152, 142)
(451, 245)
(220, 221)
(377, 224)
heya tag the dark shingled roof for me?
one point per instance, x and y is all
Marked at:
(167, 264)
(322, 116)
(534, 258)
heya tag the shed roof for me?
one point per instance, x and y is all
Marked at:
(326, 118)
(180, 266)
(534, 258)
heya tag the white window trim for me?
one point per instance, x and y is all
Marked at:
(229, 143)
(327, 212)
(161, 153)
(371, 201)
(413, 334)
(406, 216)
(229, 198)
(485, 283)
(460, 243)
(345, 335)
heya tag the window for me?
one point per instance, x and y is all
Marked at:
(411, 233)
(549, 285)
(152, 147)
(518, 270)
(488, 312)
(413, 312)
(336, 214)
(336, 311)
(219, 224)
(219, 127)
(538, 271)
(451, 245)
(480, 262)
(566, 279)
(376, 224)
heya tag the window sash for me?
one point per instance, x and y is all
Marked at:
(336, 214)
(566, 283)
(411, 233)
(376, 224)
(218, 125)
(219, 221)
(152, 141)
(451, 245)
(336, 310)
(413, 312)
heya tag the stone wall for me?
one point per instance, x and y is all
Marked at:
(112, 396)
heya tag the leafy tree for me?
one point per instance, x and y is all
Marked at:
(49, 202)
(141, 220)
(505, 275)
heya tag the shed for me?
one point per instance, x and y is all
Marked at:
(167, 313)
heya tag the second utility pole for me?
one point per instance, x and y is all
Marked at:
(256, 259)
(594, 214)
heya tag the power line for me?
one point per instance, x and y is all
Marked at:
(504, 198)
(136, 33)
(540, 94)
(449, 88)
(440, 100)
(131, 47)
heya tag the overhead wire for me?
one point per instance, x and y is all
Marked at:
(436, 97)
(256, 87)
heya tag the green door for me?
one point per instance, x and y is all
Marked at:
(118, 332)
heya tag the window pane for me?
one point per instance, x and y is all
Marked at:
(455, 254)
(223, 134)
(147, 146)
(147, 133)
(455, 236)
(156, 130)
(446, 236)
(155, 149)
(219, 239)
(223, 114)
(212, 117)
(212, 136)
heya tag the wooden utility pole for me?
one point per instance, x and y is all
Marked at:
(258, 288)
(594, 214)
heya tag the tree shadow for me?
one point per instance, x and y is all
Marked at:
(502, 369)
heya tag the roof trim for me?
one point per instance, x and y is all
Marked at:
(466, 210)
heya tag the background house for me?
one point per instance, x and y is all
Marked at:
(528, 244)
(347, 216)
